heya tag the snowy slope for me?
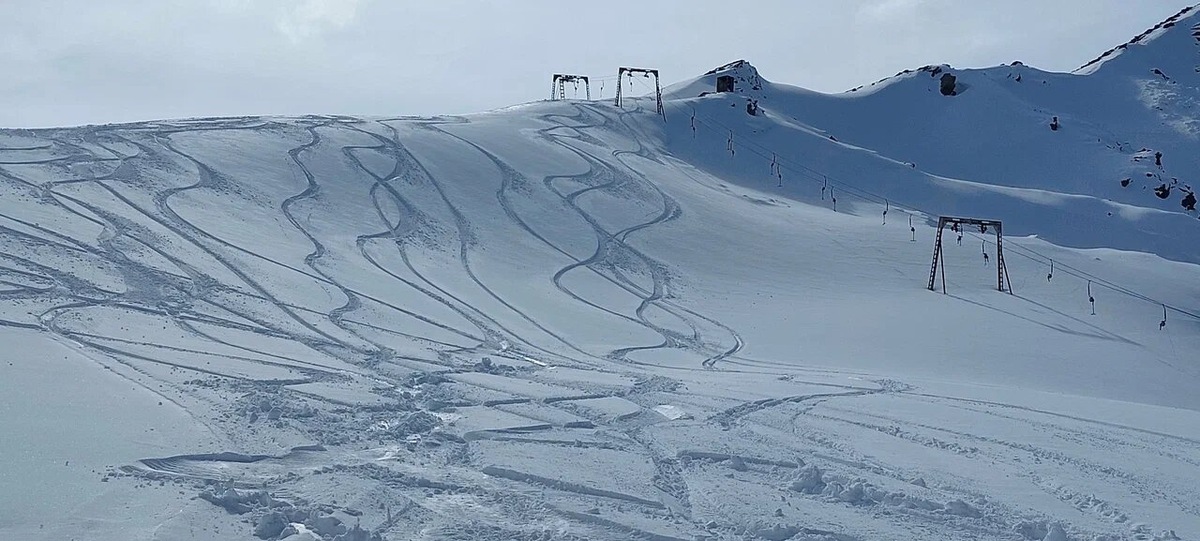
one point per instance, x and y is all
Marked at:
(565, 320)
(1114, 116)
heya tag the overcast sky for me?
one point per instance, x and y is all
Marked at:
(67, 62)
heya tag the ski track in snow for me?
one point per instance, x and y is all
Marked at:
(606, 241)
(371, 390)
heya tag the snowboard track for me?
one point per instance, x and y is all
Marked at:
(159, 260)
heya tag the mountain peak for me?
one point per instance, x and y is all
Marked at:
(746, 81)
(1163, 35)
(745, 76)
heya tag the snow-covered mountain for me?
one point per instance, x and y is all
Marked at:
(989, 149)
(569, 320)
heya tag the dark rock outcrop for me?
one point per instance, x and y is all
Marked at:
(949, 84)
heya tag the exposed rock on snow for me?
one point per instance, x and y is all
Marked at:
(948, 85)
(745, 76)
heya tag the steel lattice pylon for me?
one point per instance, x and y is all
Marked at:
(621, 72)
(1002, 281)
(558, 88)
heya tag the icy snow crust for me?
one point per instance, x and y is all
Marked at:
(570, 321)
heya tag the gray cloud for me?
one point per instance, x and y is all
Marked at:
(308, 18)
(80, 61)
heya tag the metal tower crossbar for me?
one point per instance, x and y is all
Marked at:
(958, 224)
(623, 71)
(558, 88)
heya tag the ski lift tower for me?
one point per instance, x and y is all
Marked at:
(957, 224)
(621, 72)
(558, 88)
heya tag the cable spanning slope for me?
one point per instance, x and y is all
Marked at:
(987, 150)
(709, 124)
(566, 297)
(572, 321)
(1123, 140)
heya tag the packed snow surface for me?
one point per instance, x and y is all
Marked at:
(569, 320)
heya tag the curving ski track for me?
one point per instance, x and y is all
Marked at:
(255, 364)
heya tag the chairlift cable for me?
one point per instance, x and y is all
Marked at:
(866, 195)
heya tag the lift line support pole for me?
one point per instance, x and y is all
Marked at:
(558, 88)
(1002, 282)
(622, 71)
